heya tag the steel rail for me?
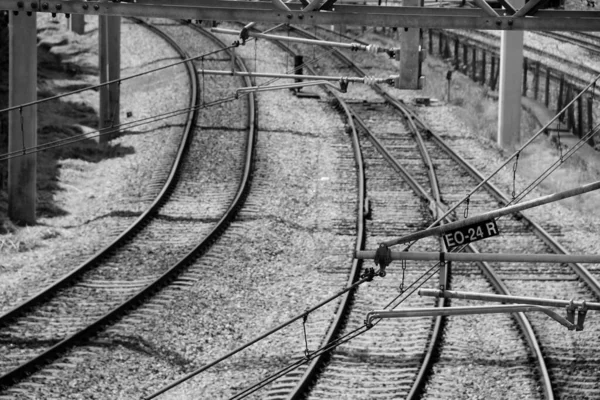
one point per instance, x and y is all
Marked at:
(438, 322)
(130, 231)
(585, 44)
(337, 323)
(34, 364)
(486, 269)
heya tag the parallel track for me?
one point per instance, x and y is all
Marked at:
(99, 275)
(500, 287)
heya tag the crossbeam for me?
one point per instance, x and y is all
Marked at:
(488, 257)
(263, 11)
(363, 79)
(453, 311)
(352, 46)
(501, 298)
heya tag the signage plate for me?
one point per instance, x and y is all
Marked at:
(470, 233)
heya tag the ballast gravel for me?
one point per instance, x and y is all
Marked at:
(150, 359)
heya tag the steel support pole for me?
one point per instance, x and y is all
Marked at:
(22, 122)
(410, 59)
(511, 71)
(77, 22)
(109, 42)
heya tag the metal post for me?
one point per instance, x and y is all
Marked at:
(590, 118)
(22, 123)
(298, 63)
(509, 102)
(410, 64)
(536, 80)
(78, 23)
(109, 35)
(559, 103)
(547, 88)
(525, 71)
(483, 62)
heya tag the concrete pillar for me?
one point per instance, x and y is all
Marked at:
(22, 123)
(77, 22)
(109, 42)
(509, 102)
(410, 63)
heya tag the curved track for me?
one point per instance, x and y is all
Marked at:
(122, 276)
(442, 154)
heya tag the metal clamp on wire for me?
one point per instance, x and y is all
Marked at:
(581, 316)
(368, 275)
(344, 84)
(383, 258)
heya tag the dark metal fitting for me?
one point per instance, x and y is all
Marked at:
(20, 4)
(368, 274)
(34, 6)
(29, 13)
(510, 22)
(96, 7)
(67, 15)
(59, 6)
(498, 22)
(45, 6)
(85, 6)
(289, 16)
(383, 256)
(53, 15)
(300, 16)
(368, 325)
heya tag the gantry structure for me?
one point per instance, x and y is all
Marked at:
(510, 16)
(475, 14)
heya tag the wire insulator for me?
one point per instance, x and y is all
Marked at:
(373, 48)
(369, 80)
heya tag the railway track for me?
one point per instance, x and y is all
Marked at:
(573, 70)
(528, 376)
(585, 40)
(175, 230)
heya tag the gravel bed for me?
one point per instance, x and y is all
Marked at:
(102, 197)
(60, 239)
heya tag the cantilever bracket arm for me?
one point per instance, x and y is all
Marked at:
(451, 311)
(250, 89)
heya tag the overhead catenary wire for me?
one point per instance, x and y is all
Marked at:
(506, 162)
(12, 108)
(130, 124)
(255, 340)
(329, 346)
